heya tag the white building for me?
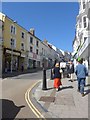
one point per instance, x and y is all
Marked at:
(81, 43)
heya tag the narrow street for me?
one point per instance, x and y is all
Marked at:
(13, 95)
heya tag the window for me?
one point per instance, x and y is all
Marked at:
(80, 23)
(84, 5)
(22, 46)
(84, 22)
(37, 51)
(31, 49)
(31, 40)
(13, 29)
(13, 43)
(85, 39)
(42, 50)
(23, 36)
(37, 43)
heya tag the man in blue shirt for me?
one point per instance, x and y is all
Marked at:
(81, 73)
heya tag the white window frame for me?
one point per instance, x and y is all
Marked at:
(24, 35)
(83, 4)
(22, 47)
(36, 43)
(14, 43)
(37, 52)
(30, 49)
(84, 22)
(13, 29)
(30, 40)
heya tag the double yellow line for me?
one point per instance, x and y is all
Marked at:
(30, 104)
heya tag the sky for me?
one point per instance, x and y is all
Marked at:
(53, 21)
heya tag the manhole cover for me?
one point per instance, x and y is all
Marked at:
(47, 99)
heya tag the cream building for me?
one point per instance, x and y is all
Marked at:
(14, 44)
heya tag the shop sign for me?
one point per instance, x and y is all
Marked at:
(14, 53)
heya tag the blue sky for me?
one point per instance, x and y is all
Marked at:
(54, 21)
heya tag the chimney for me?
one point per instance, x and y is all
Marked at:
(45, 41)
(32, 31)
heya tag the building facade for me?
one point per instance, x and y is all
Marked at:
(81, 43)
(14, 44)
(22, 50)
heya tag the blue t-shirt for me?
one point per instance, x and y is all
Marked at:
(81, 71)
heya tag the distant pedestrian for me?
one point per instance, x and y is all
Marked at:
(81, 73)
(57, 76)
(71, 70)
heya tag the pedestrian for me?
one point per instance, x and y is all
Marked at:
(57, 76)
(71, 70)
(81, 73)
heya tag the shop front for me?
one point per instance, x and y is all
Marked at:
(8, 57)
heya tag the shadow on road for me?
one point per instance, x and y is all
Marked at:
(73, 80)
(87, 85)
(66, 87)
(9, 109)
(87, 92)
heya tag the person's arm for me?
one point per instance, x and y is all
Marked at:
(86, 71)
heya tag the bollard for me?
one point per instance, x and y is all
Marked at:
(51, 74)
(44, 85)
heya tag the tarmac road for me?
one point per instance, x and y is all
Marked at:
(13, 95)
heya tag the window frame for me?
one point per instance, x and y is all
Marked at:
(22, 47)
(31, 50)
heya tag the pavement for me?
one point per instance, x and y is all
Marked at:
(66, 103)
(16, 73)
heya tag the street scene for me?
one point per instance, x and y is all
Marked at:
(45, 60)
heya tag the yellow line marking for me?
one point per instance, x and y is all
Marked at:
(30, 105)
(33, 108)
